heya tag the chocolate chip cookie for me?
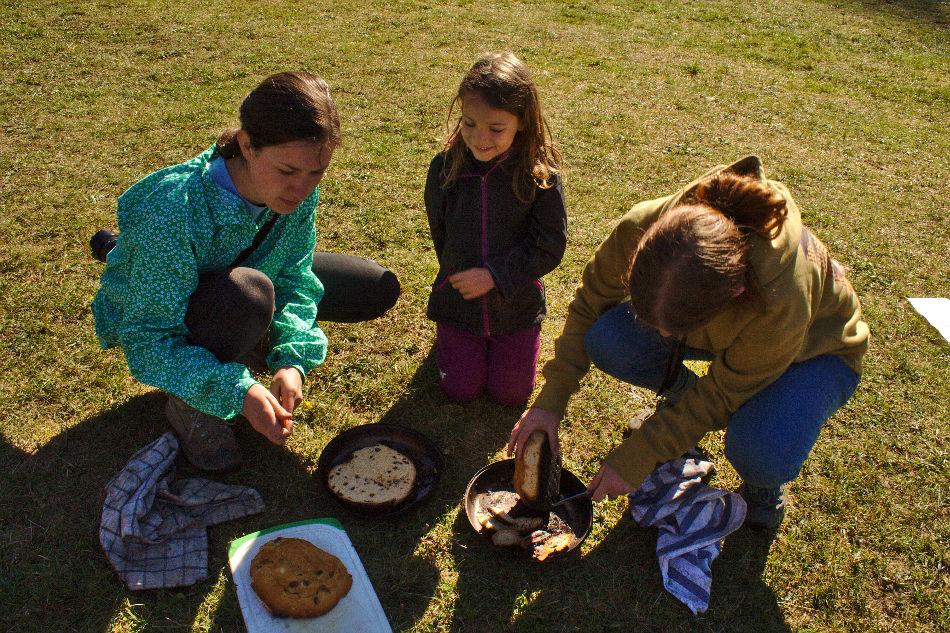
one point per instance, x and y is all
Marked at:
(297, 579)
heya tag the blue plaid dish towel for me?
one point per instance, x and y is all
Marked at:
(154, 529)
(692, 519)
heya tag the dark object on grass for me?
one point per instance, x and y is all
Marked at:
(101, 243)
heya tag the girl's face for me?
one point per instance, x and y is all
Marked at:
(488, 132)
(282, 176)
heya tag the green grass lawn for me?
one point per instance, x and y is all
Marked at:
(847, 102)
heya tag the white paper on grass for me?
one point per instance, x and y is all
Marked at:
(937, 312)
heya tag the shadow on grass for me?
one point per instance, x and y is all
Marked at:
(935, 12)
(50, 502)
(58, 579)
(613, 586)
(399, 554)
(50, 505)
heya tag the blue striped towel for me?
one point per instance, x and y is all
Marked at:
(692, 518)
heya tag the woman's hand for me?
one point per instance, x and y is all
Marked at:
(472, 283)
(607, 484)
(533, 420)
(287, 387)
(266, 415)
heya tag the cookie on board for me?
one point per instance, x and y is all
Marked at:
(294, 578)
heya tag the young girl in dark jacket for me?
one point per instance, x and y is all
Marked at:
(496, 212)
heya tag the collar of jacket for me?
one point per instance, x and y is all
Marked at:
(225, 206)
(473, 168)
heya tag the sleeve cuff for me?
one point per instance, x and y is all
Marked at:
(297, 366)
(240, 390)
(553, 398)
(632, 460)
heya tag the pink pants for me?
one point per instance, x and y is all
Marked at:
(505, 365)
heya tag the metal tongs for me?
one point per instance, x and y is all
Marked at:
(571, 498)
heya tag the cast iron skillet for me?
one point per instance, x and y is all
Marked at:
(417, 447)
(579, 513)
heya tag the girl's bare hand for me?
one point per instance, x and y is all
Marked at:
(472, 283)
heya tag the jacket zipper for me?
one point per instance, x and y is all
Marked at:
(483, 178)
(486, 328)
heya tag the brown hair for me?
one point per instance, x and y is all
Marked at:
(693, 261)
(505, 83)
(286, 107)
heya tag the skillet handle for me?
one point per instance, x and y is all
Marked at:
(571, 498)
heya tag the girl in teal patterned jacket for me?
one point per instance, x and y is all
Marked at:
(214, 263)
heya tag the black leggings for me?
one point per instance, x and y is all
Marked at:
(230, 311)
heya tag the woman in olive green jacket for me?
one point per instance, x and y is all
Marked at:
(723, 271)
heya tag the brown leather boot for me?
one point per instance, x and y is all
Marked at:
(208, 442)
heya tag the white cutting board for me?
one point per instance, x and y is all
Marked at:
(358, 612)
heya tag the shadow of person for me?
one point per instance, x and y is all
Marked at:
(398, 552)
(288, 484)
(932, 13)
(467, 435)
(11, 459)
(50, 503)
(737, 580)
(590, 589)
(50, 506)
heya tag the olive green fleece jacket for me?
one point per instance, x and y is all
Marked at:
(810, 310)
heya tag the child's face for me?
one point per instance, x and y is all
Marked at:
(488, 132)
(282, 176)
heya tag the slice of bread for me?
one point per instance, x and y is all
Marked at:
(537, 472)
(374, 476)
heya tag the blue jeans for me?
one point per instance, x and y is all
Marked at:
(769, 437)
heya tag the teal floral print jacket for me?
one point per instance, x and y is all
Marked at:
(174, 225)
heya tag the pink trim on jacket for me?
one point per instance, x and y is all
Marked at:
(486, 330)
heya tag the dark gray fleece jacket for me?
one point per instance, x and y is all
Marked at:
(479, 222)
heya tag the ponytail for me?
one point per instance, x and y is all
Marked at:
(228, 146)
(693, 262)
(286, 107)
(749, 202)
